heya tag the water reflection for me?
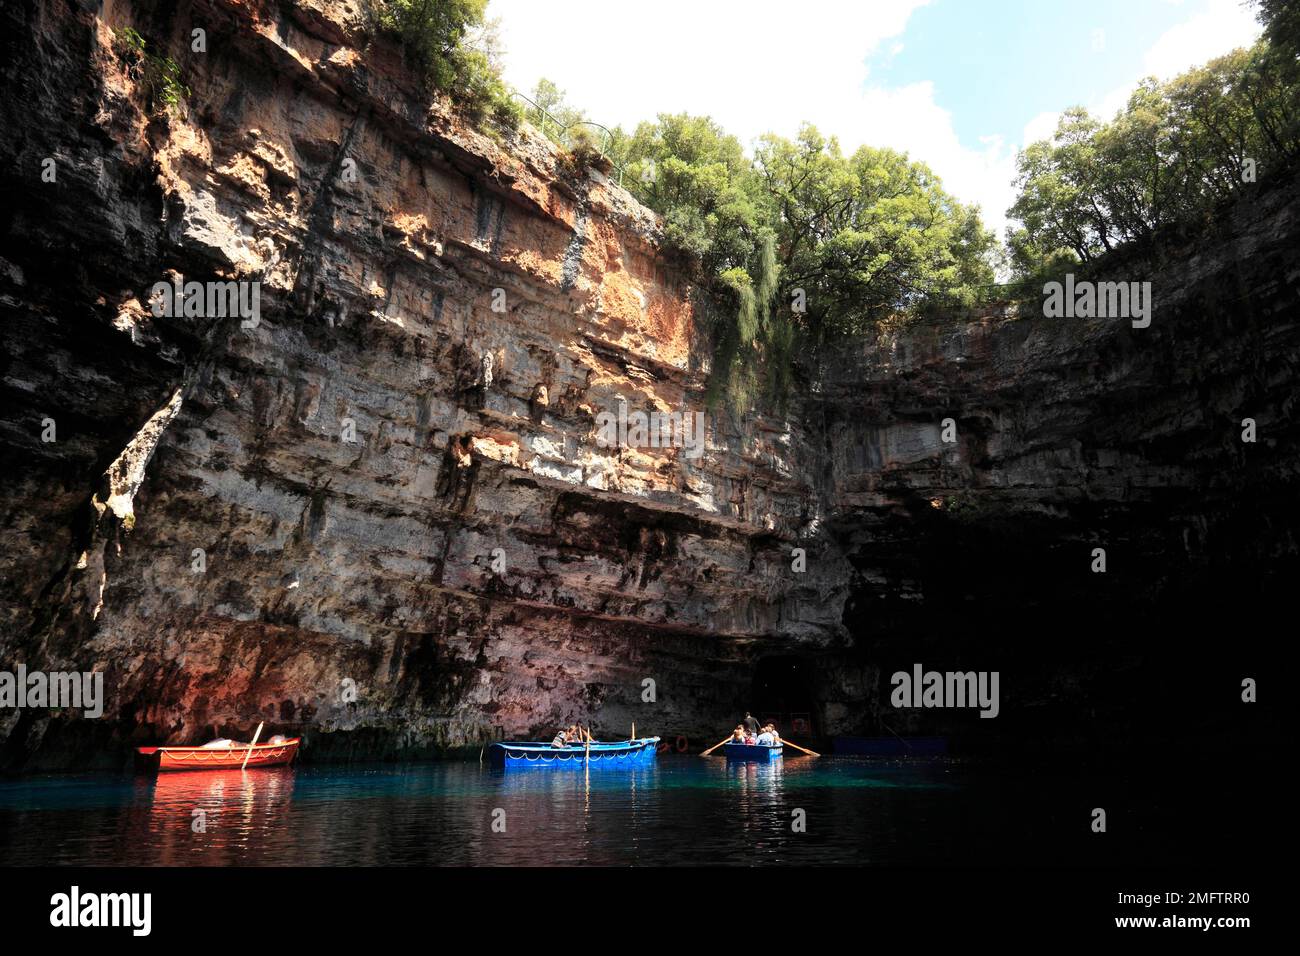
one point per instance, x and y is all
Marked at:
(215, 814)
(681, 810)
(752, 774)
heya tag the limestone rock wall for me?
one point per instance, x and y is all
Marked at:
(1075, 434)
(442, 317)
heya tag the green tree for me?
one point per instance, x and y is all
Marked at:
(801, 244)
(869, 236)
(1281, 20)
(1057, 202)
(455, 50)
(697, 177)
(552, 113)
(1174, 152)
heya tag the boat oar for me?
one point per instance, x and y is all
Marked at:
(249, 752)
(810, 753)
(716, 746)
(891, 730)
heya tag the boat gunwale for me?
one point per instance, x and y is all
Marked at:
(755, 752)
(235, 749)
(537, 746)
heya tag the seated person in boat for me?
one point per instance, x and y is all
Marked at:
(768, 737)
(738, 735)
(573, 737)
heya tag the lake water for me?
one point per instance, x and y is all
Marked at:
(684, 810)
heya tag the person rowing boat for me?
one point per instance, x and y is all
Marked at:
(575, 736)
(764, 741)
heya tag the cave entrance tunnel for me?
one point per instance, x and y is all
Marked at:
(782, 693)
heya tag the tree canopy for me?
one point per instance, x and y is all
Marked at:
(455, 50)
(869, 235)
(1174, 152)
(796, 244)
(800, 243)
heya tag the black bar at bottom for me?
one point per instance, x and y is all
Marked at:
(368, 906)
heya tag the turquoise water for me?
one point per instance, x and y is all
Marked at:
(684, 810)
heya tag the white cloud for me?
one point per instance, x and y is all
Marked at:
(907, 118)
(1224, 25)
(750, 65)
(753, 68)
(1041, 126)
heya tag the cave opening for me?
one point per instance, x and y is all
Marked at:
(1135, 665)
(782, 694)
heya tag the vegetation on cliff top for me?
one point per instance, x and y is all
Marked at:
(455, 50)
(795, 246)
(798, 244)
(1172, 155)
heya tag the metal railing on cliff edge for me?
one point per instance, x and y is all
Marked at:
(562, 131)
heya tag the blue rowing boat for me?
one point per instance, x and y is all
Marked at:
(752, 752)
(535, 754)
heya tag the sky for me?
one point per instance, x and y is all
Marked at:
(958, 84)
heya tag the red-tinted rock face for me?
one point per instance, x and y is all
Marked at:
(383, 514)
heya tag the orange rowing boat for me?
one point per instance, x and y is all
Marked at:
(274, 754)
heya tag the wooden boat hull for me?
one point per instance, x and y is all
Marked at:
(198, 758)
(538, 755)
(755, 753)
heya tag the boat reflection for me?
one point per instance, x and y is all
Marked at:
(751, 774)
(212, 816)
(762, 812)
(563, 818)
(759, 788)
